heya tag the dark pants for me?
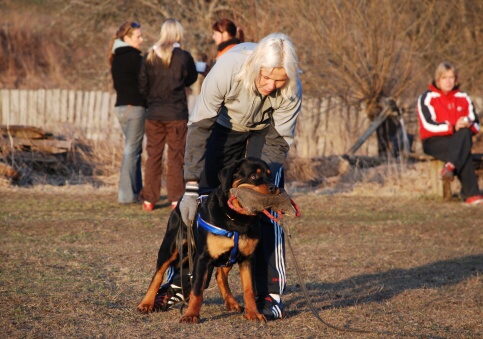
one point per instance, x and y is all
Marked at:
(456, 149)
(158, 134)
(224, 147)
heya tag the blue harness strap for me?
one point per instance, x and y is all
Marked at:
(224, 233)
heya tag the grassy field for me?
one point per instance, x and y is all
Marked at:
(76, 264)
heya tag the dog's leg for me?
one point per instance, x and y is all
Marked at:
(202, 269)
(251, 312)
(167, 254)
(222, 280)
(147, 304)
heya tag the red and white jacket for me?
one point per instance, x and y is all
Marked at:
(438, 112)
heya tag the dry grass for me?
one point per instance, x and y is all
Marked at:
(75, 264)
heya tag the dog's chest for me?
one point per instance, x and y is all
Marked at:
(219, 245)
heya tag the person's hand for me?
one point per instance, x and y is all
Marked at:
(189, 203)
(462, 122)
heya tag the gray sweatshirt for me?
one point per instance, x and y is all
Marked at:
(223, 100)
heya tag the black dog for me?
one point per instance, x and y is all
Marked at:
(215, 250)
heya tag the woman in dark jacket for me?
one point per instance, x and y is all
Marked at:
(165, 73)
(125, 60)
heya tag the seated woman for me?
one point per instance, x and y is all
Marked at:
(447, 123)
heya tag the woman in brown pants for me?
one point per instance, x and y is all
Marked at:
(165, 73)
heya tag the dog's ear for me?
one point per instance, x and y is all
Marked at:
(226, 175)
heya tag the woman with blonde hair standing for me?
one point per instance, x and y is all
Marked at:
(165, 73)
(125, 59)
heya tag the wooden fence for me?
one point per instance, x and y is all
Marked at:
(76, 113)
(323, 128)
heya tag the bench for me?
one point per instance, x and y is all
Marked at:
(439, 187)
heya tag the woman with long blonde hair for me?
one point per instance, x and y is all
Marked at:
(165, 73)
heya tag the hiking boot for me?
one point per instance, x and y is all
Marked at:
(447, 173)
(475, 200)
(270, 308)
(168, 295)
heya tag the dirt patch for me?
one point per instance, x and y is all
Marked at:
(74, 263)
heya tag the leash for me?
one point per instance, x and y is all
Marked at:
(314, 310)
(278, 220)
(180, 251)
(191, 244)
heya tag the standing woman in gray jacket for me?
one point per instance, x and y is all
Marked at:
(125, 60)
(166, 71)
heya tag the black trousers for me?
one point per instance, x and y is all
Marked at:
(223, 148)
(456, 149)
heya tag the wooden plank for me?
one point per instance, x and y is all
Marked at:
(28, 132)
(420, 156)
(32, 111)
(372, 128)
(104, 122)
(436, 183)
(48, 108)
(90, 114)
(64, 94)
(22, 107)
(84, 113)
(71, 107)
(5, 97)
(96, 116)
(55, 108)
(14, 107)
(79, 99)
(49, 145)
(41, 107)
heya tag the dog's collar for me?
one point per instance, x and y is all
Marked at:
(224, 233)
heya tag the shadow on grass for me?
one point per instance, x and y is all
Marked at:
(378, 287)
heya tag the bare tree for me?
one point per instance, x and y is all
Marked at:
(361, 51)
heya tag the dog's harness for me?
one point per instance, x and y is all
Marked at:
(219, 231)
(224, 233)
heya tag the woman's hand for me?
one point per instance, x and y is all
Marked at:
(463, 122)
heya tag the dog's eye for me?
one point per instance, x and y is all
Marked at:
(253, 176)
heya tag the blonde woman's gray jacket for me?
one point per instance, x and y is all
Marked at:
(223, 100)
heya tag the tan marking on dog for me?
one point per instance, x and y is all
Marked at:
(251, 312)
(217, 245)
(147, 304)
(246, 245)
(192, 314)
(222, 280)
(235, 183)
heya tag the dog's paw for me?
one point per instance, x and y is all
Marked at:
(234, 307)
(190, 319)
(255, 316)
(145, 308)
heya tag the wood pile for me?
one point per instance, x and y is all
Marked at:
(24, 147)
